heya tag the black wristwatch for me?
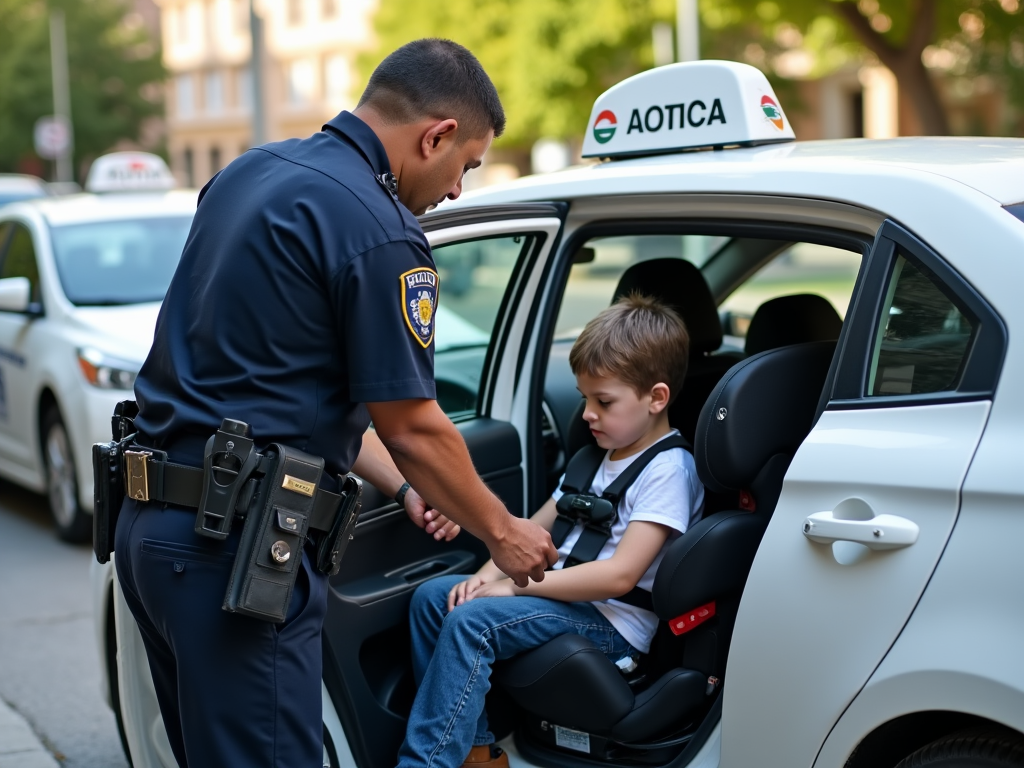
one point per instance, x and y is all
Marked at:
(400, 496)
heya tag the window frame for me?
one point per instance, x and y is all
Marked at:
(35, 308)
(983, 361)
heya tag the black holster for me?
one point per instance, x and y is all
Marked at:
(276, 525)
(109, 479)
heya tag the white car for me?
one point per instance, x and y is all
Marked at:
(81, 281)
(855, 397)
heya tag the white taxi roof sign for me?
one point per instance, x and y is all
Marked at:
(129, 172)
(692, 105)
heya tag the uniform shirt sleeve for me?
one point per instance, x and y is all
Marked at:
(387, 302)
(664, 494)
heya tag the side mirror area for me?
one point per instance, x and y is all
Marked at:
(16, 296)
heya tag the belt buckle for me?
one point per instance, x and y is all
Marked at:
(137, 474)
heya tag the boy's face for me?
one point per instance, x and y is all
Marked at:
(617, 415)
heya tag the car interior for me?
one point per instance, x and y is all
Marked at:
(757, 371)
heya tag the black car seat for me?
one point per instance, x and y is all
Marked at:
(792, 319)
(749, 429)
(681, 286)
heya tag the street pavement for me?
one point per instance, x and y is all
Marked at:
(49, 661)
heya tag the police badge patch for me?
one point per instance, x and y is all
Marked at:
(419, 303)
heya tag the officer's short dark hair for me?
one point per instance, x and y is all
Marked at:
(638, 340)
(436, 78)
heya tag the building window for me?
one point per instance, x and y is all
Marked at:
(214, 93)
(302, 82)
(188, 166)
(329, 8)
(215, 160)
(186, 96)
(337, 81)
(295, 12)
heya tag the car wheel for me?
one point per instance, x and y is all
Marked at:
(73, 523)
(971, 749)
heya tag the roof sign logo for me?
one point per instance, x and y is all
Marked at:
(771, 111)
(604, 126)
(690, 105)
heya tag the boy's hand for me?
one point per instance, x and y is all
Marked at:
(500, 588)
(460, 592)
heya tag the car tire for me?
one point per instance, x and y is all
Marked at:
(970, 749)
(73, 523)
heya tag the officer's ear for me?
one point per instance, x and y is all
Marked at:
(437, 135)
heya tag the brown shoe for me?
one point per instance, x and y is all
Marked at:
(486, 756)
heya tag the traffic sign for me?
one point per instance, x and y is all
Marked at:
(52, 136)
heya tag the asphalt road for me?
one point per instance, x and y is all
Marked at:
(49, 663)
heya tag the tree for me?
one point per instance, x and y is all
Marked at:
(115, 76)
(549, 59)
(958, 39)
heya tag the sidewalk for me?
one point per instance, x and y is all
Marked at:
(19, 746)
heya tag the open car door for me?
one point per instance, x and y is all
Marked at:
(490, 263)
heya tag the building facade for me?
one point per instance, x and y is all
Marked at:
(308, 75)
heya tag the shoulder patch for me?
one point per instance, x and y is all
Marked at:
(419, 302)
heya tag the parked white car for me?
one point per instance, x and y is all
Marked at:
(852, 596)
(81, 281)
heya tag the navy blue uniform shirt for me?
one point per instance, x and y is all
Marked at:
(304, 290)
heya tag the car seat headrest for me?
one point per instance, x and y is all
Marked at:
(758, 415)
(794, 319)
(680, 285)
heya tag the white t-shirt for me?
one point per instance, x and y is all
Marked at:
(666, 492)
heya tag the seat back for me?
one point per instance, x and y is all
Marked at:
(749, 430)
(794, 319)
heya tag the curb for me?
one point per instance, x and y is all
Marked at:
(19, 746)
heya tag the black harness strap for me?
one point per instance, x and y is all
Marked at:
(579, 476)
(597, 515)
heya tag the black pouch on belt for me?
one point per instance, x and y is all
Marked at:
(270, 551)
(109, 479)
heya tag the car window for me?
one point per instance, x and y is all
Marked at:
(474, 277)
(798, 268)
(119, 262)
(602, 261)
(923, 336)
(20, 260)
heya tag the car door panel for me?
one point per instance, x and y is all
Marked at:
(366, 632)
(817, 616)
(367, 660)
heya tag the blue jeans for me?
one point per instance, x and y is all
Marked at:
(452, 655)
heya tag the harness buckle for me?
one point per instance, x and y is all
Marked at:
(137, 474)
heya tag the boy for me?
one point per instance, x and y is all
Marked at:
(629, 363)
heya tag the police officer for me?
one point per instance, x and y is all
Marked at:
(303, 305)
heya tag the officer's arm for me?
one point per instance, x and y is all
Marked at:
(375, 465)
(432, 456)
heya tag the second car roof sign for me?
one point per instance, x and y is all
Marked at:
(694, 105)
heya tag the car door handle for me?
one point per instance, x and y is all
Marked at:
(878, 532)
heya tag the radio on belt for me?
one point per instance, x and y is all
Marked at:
(693, 105)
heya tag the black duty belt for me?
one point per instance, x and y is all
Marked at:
(152, 478)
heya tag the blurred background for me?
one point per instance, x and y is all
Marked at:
(79, 78)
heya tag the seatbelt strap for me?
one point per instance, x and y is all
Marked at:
(593, 537)
(579, 476)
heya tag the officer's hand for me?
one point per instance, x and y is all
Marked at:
(432, 521)
(525, 551)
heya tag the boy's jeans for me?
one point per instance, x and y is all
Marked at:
(452, 657)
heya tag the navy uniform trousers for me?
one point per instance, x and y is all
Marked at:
(233, 690)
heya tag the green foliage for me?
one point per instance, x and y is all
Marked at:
(115, 75)
(549, 59)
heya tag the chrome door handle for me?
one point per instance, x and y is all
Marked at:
(879, 532)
